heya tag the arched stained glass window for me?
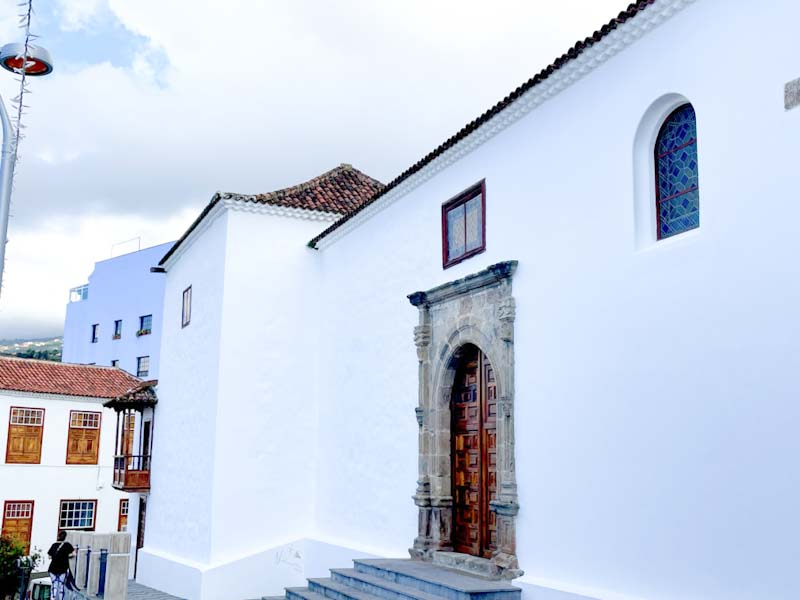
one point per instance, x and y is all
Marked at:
(677, 193)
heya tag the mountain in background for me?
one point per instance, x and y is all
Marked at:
(43, 348)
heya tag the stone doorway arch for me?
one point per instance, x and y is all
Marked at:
(478, 310)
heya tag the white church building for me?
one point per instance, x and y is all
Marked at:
(570, 332)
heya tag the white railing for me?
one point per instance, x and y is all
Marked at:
(77, 294)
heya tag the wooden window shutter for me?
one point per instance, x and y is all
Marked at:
(83, 442)
(25, 429)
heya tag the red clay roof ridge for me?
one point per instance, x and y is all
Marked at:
(313, 182)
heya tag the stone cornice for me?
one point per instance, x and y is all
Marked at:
(577, 68)
(489, 276)
(241, 205)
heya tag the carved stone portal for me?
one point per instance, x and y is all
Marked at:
(478, 309)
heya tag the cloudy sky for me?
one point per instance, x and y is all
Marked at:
(156, 104)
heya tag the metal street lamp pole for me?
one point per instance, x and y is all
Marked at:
(37, 62)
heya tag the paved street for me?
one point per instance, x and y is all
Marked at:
(137, 591)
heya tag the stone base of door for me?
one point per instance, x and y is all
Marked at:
(497, 567)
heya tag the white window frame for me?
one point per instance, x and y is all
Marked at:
(19, 510)
(88, 419)
(186, 307)
(30, 417)
(139, 371)
(74, 507)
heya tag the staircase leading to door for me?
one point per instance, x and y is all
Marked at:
(397, 579)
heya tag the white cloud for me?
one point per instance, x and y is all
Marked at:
(250, 96)
(44, 262)
(79, 14)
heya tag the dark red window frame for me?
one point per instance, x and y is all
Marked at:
(478, 189)
(94, 521)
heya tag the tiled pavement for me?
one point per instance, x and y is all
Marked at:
(136, 591)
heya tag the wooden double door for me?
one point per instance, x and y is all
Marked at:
(474, 454)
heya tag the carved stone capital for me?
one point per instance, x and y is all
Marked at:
(507, 309)
(420, 414)
(422, 340)
(506, 407)
(507, 508)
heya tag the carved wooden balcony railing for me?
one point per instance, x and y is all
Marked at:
(132, 472)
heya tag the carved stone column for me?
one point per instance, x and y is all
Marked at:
(424, 541)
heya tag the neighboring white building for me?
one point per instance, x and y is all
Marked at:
(58, 450)
(115, 319)
(596, 381)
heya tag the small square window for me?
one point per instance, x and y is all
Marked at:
(143, 366)
(145, 325)
(115, 362)
(186, 311)
(77, 514)
(117, 329)
(95, 331)
(464, 225)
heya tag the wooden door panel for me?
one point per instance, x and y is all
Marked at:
(466, 458)
(82, 446)
(18, 521)
(474, 455)
(24, 444)
(489, 457)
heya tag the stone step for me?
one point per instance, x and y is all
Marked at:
(334, 590)
(301, 593)
(444, 582)
(378, 586)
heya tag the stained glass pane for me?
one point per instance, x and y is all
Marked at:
(474, 228)
(678, 197)
(455, 232)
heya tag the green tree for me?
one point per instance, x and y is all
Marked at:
(10, 551)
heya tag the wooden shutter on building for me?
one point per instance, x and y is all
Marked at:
(122, 521)
(25, 427)
(18, 521)
(83, 442)
(128, 429)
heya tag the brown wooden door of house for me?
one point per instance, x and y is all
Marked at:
(18, 521)
(474, 454)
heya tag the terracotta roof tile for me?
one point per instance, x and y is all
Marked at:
(559, 62)
(339, 191)
(47, 377)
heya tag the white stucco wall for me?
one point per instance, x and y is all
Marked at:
(119, 288)
(266, 417)
(655, 408)
(52, 480)
(179, 509)
(655, 413)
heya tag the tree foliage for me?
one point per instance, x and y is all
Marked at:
(10, 551)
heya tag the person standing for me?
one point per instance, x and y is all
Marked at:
(59, 553)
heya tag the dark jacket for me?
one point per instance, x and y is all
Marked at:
(59, 555)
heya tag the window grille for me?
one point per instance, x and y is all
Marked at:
(143, 366)
(677, 190)
(77, 514)
(27, 416)
(19, 510)
(84, 420)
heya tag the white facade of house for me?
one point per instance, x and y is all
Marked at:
(120, 288)
(655, 402)
(52, 480)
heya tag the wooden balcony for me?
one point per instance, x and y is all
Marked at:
(132, 472)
